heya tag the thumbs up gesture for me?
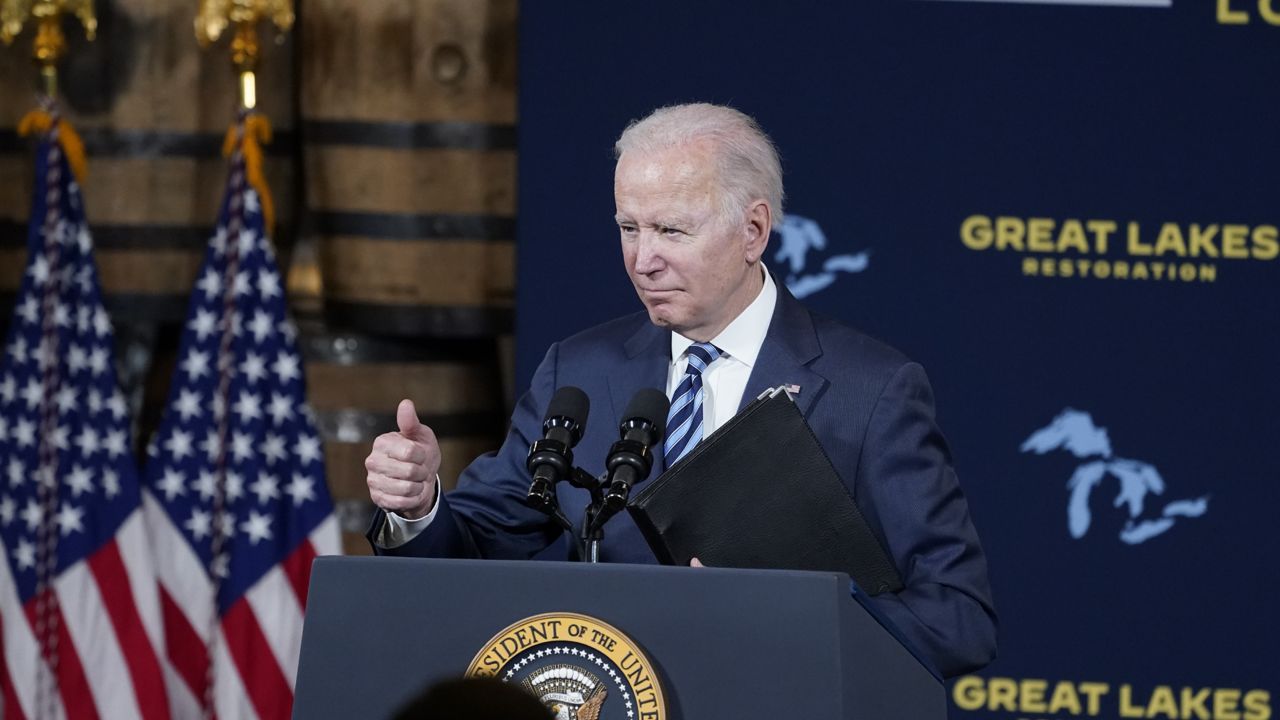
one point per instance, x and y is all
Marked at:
(403, 466)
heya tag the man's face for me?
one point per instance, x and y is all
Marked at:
(693, 269)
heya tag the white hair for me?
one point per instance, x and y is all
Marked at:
(747, 161)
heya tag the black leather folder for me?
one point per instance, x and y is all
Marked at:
(760, 492)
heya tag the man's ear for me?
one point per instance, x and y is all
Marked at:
(758, 226)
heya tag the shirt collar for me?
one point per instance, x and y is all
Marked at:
(744, 336)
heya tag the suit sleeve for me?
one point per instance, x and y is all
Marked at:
(486, 515)
(907, 483)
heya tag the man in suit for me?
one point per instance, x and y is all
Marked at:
(698, 189)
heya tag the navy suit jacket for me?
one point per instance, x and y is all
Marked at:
(871, 409)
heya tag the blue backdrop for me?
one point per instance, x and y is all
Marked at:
(1068, 213)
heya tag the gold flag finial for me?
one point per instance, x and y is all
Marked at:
(50, 44)
(216, 15)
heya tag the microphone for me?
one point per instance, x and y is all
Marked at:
(551, 458)
(630, 459)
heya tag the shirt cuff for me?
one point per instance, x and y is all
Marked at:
(397, 531)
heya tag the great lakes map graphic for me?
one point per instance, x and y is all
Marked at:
(797, 236)
(1075, 432)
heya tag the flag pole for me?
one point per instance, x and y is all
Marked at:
(50, 44)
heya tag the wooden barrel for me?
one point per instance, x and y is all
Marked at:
(152, 108)
(355, 382)
(408, 129)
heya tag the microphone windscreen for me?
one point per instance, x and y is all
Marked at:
(650, 405)
(569, 402)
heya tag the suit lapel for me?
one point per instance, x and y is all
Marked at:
(648, 356)
(790, 345)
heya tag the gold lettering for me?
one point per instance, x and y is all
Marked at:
(1064, 268)
(1102, 269)
(1264, 243)
(1140, 272)
(1030, 266)
(1127, 710)
(1101, 230)
(1227, 16)
(968, 693)
(1208, 273)
(1002, 694)
(975, 232)
(1202, 240)
(1033, 696)
(1121, 270)
(1226, 704)
(1268, 12)
(1257, 705)
(1163, 703)
(1046, 267)
(1071, 237)
(1064, 698)
(1009, 233)
(1040, 235)
(1094, 691)
(1195, 702)
(1233, 237)
(1136, 246)
(1170, 239)
(1187, 272)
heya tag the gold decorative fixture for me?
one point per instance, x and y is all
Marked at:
(50, 44)
(216, 15)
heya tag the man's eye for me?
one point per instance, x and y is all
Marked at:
(670, 231)
(627, 229)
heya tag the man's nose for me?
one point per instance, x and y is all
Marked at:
(648, 257)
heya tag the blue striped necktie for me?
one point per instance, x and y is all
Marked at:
(684, 421)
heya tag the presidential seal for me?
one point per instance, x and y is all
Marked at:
(579, 667)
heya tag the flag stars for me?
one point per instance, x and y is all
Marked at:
(39, 270)
(221, 566)
(196, 365)
(43, 354)
(286, 367)
(266, 487)
(101, 322)
(307, 449)
(261, 326)
(301, 489)
(70, 519)
(241, 446)
(84, 316)
(29, 310)
(200, 524)
(114, 443)
(62, 437)
(207, 485)
(32, 515)
(187, 405)
(172, 484)
(25, 555)
(77, 359)
(179, 444)
(116, 406)
(247, 241)
(219, 240)
(61, 316)
(281, 408)
(272, 448)
(257, 527)
(241, 283)
(7, 389)
(17, 473)
(110, 484)
(269, 284)
(18, 349)
(203, 324)
(88, 441)
(249, 407)
(210, 284)
(80, 480)
(212, 445)
(65, 399)
(33, 393)
(24, 433)
(254, 367)
(95, 401)
(98, 360)
(235, 486)
(8, 508)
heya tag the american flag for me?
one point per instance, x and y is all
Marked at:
(79, 614)
(235, 484)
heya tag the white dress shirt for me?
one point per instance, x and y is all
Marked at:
(723, 383)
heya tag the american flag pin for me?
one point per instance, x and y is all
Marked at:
(792, 389)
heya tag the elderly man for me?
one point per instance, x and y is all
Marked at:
(698, 189)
